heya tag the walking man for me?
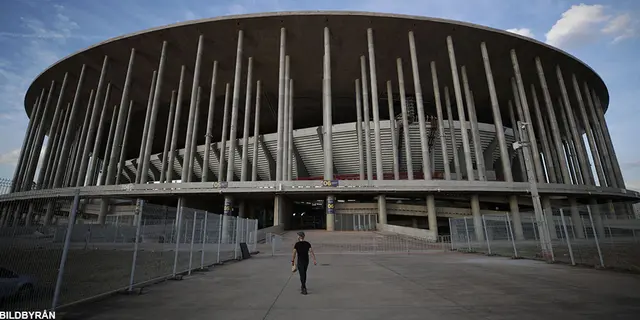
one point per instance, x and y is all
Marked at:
(302, 249)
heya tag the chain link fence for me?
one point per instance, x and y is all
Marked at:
(600, 235)
(55, 254)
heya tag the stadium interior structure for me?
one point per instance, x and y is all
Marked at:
(330, 120)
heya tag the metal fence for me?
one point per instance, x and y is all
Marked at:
(591, 235)
(358, 243)
(73, 259)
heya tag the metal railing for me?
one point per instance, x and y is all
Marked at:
(591, 235)
(73, 259)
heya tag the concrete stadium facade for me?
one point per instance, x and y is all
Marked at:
(227, 113)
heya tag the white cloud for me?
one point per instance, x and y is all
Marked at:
(523, 32)
(621, 27)
(10, 157)
(585, 23)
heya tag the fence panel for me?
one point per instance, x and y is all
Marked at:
(30, 255)
(156, 247)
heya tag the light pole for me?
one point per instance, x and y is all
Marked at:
(545, 238)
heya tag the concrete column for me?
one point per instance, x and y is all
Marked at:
(524, 104)
(359, 129)
(382, 209)
(194, 141)
(577, 137)
(27, 151)
(601, 145)
(523, 116)
(93, 125)
(256, 133)
(285, 119)
(392, 128)
(328, 125)
(145, 130)
(443, 141)
(473, 121)
(68, 141)
(186, 168)
(477, 217)
(554, 155)
(426, 158)
(405, 121)
(374, 105)
(576, 220)
(54, 142)
(367, 120)
(23, 150)
(37, 147)
(104, 204)
(233, 132)
(497, 119)
(290, 145)
(167, 140)
(125, 140)
(452, 134)
(109, 146)
(424, 142)
(570, 151)
(516, 134)
(99, 134)
(225, 128)
(58, 148)
(227, 212)
(602, 181)
(81, 154)
(247, 119)
(210, 113)
(281, 103)
(460, 105)
(555, 130)
(515, 215)
(597, 218)
(176, 127)
(548, 213)
(117, 140)
(53, 133)
(548, 157)
(607, 136)
(148, 147)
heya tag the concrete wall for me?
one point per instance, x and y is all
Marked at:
(411, 232)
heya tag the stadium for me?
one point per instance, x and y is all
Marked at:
(327, 120)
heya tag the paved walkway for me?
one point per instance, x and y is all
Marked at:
(391, 286)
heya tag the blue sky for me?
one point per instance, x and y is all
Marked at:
(36, 33)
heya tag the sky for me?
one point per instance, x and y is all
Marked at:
(604, 34)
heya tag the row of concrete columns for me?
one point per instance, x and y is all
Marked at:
(562, 158)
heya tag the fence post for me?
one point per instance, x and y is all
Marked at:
(65, 249)
(255, 235)
(139, 211)
(534, 226)
(564, 226)
(219, 236)
(204, 238)
(115, 236)
(486, 234)
(451, 233)
(193, 238)
(235, 246)
(466, 229)
(178, 229)
(595, 236)
(513, 242)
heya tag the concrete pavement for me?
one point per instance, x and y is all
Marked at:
(360, 286)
